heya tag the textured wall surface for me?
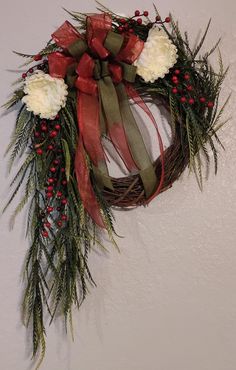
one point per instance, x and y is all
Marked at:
(167, 301)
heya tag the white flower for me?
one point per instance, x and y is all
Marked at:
(45, 95)
(158, 56)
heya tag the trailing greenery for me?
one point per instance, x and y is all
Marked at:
(57, 275)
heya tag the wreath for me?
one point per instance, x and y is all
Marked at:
(78, 92)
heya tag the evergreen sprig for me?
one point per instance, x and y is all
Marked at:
(198, 123)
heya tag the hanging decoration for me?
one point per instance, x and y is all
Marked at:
(76, 94)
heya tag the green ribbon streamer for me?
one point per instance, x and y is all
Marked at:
(102, 175)
(136, 143)
(117, 110)
(108, 94)
(103, 126)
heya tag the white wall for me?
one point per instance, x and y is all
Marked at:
(167, 301)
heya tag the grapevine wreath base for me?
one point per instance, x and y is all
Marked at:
(78, 91)
(128, 191)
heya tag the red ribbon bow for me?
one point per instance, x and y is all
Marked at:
(88, 102)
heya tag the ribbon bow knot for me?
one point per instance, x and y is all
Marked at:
(99, 66)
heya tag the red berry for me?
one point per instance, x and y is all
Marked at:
(53, 169)
(189, 88)
(158, 18)
(37, 134)
(145, 13)
(120, 29)
(168, 19)
(210, 104)
(57, 116)
(58, 209)
(64, 201)
(57, 127)
(183, 99)
(174, 90)
(64, 217)
(174, 78)
(202, 99)
(59, 194)
(53, 134)
(122, 21)
(59, 223)
(39, 151)
(62, 169)
(45, 234)
(50, 147)
(49, 209)
(64, 182)
(49, 195)
(24, 75)
(37, 57)
(139, 21)
(131, 30)
(31, 70)
(50, 188)
(50, 180)
(177, 72)
(44, 128)
(47, 224)
(56, 161)
(191, 101)
(186, 76)
(137, 13)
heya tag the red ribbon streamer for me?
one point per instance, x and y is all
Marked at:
(85, 187)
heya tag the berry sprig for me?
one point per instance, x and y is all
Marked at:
(43, 66)
(47, 144)
(182, 86)
(129, 24)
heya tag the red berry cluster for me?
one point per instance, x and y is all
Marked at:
(46, 142)
(128, 24)
(41, 66)
(44, 131)
(182, 86)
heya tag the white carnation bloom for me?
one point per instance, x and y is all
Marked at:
(158, 56)
(45, 95)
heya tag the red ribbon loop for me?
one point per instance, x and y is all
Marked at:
(86, 66)
(58, 64)
(132, 49)
(98, 26)
(86, 85)
(66, 35)
(116, 72)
